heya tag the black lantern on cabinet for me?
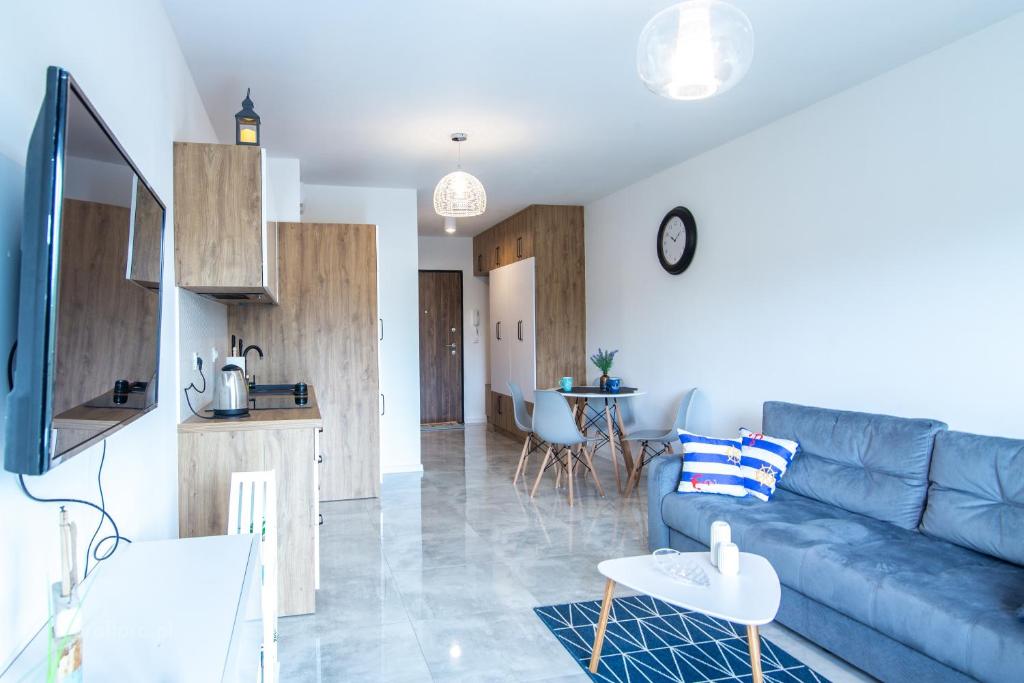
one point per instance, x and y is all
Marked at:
(247, 124)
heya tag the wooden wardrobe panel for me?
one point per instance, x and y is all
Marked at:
(218, 216)
(324, 332)
(561, 293)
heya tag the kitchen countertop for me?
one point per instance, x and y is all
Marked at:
(285, 418)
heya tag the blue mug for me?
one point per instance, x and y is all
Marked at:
(613, 384)
(566, 384)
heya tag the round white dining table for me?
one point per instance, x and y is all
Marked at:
(612, 418)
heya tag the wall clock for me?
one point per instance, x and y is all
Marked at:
(677, 240)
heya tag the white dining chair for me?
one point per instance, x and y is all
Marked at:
(252, 509)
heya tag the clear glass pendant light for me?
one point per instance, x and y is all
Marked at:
(695, 49)
(459, 194)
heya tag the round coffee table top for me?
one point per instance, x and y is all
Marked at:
(751, 597)
(595, 392)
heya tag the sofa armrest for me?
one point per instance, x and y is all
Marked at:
(662, 479)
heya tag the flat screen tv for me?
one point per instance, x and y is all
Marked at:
(88, 349)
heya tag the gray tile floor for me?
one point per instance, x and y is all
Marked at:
(437, 579)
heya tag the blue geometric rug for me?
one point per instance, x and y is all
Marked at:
(648, 640)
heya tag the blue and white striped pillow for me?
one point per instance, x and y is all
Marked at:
(764, 460)
(710, 465)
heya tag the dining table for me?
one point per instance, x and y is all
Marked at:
(607, 420)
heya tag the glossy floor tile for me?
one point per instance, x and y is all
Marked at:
(436, 580)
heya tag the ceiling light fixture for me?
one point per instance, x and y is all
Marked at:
(449, 225)
(459, 194)
(695, 49)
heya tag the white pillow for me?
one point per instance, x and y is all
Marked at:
(711, 465)
(764, 461)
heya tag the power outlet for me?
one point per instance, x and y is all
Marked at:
(195, 361)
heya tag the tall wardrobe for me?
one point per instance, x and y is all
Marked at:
(535, 262)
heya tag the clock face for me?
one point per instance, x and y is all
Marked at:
(677, 240)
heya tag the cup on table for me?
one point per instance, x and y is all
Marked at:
(613, 385)
(721, 533)
(565, 384)
(729, 559)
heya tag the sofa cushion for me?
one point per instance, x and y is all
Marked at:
(710, 465)
(953, 604)
(976, 495)
(875, 465)
(763, 461)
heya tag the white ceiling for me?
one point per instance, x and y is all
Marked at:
(365, 92)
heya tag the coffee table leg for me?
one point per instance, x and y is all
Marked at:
(754, 642)
(602, 624)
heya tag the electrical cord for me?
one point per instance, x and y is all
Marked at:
(193, 387)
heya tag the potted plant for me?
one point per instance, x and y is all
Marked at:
(603, 360)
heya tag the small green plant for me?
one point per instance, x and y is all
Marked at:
(603, 359)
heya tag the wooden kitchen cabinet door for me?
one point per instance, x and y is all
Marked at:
(324, 331)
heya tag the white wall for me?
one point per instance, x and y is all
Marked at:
(126, 58)
(864, 253)
(283, 186)
(456, 253)
(393, 211)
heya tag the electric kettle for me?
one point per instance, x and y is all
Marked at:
(230, 393)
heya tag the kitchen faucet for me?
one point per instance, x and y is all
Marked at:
(245, 354)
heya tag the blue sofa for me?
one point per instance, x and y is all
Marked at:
(899, 544)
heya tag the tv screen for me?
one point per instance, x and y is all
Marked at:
(87, 358)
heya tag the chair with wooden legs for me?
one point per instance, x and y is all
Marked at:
(553, 422)
(655, 442)
(524, 422)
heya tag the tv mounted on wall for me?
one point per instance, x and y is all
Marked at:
(88, 350)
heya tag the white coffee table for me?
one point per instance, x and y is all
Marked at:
(750, 598)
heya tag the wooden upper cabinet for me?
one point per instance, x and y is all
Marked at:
(520, 235)
(225, 248)
(480, 252)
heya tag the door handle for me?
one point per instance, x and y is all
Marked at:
(519, 331)
(321, 516)
(381, 328)
(383, 404)
(319, 458)
(451, 347)
(497, 330)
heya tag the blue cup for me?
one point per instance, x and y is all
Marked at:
(565, 384)
(614, 384)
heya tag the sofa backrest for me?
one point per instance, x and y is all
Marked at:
(874, 465)
(976, 495)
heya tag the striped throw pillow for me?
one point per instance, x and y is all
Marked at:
(710, 465)
(763, 462)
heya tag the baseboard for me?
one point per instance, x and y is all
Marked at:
(482, 420)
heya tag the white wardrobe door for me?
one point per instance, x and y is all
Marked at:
(524, 346)
(499, 332)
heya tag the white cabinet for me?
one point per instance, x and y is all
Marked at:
(513, 337)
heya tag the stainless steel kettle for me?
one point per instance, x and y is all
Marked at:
(230, 393)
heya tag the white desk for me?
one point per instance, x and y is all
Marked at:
(178, 610)
(751, 597)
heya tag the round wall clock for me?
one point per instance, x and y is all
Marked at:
(677, 240)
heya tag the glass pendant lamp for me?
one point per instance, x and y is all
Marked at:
(695, 49)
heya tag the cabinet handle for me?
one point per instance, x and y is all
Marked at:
(383, 404)
(519, 247)
(321, 516)
(519, 331)
(480, 262)
(497, 330)
(497, 255)
(381, 328)
(319, 458)
(499, 405)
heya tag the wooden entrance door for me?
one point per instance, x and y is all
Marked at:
(440, 346)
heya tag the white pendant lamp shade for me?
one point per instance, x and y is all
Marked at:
(459, 194)
(695, 49)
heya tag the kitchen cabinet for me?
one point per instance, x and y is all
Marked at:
(538, 294)
(325, 330)
(285, 441)
(224, 245)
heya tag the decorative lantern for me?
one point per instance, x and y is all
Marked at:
(247, 124)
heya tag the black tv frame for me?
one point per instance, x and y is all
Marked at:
(27, 446)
